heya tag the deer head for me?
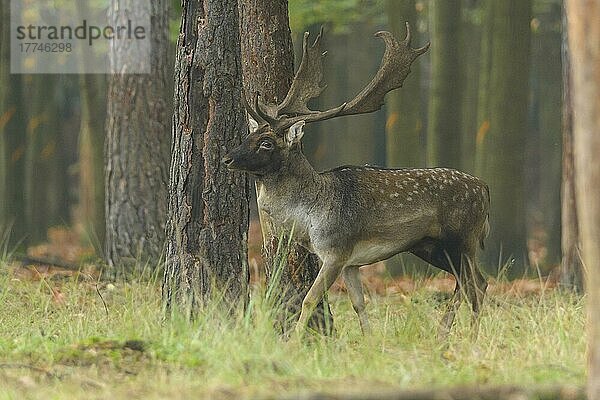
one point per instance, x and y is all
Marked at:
(276, 129)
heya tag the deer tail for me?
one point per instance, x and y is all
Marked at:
(486, 225)
(485, 233)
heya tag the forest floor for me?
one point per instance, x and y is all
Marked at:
(67, 335)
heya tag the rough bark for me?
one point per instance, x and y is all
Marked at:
(571, 271)
(268, 67)
(443, 130)
(137, 146)
(584, 44)
(206, 251)
(501, 139)
(12, 140)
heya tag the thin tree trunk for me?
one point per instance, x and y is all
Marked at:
(357, 143)
(92, 91)
(571, 271)
(41, 126)
(485, 73)
(268, 66)
(57, 153)
(137, 145)
(584, 44)
(502, 133)
(549, 118)
(443, 130)
(470, 54)
(12, 140)
(206, 253)
(91, 152)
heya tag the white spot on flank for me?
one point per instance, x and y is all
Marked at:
(409, 198)
(394, 195)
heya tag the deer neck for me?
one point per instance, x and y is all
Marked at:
(296, 183)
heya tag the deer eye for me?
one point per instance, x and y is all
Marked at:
(266, 144)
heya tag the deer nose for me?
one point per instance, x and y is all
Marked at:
(227, 160)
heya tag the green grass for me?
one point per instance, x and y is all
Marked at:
(74, 348)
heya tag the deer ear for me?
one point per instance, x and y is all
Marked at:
(295, 133)
(252, 124)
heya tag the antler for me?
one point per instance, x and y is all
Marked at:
(394, 68)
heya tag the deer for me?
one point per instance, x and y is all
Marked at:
(353, 216)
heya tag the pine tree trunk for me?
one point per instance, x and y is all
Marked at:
(268, 65)
(138, 144)
(92, 89)
(549, 118)
(501, 139)
(12, 141)
(571, 270)
(470, 54)
(443, 130)
(91, 163)
(584, 44)
(404, 120)
(404, 123)
(41, 126)
(206, 253)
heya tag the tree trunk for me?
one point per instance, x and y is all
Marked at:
(584, 44)
(42, 127)
(571, 270)
(137, 145)
(12, 141)
(443, 130)
(56, 152)
(542, 166)
(357, 143)
(268, 65)
(501, 139)
(91, 164)
(92, 89)
(206, 253)
(470, 55)
(485, 73)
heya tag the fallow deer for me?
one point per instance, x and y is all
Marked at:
(354, 216)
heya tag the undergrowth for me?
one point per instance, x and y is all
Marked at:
(76, 338)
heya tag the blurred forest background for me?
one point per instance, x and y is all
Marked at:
(486, 99)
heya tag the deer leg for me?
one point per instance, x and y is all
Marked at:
(475, 288)
(450, 314)
(355, 292)
(436, 255)
(326, 277)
